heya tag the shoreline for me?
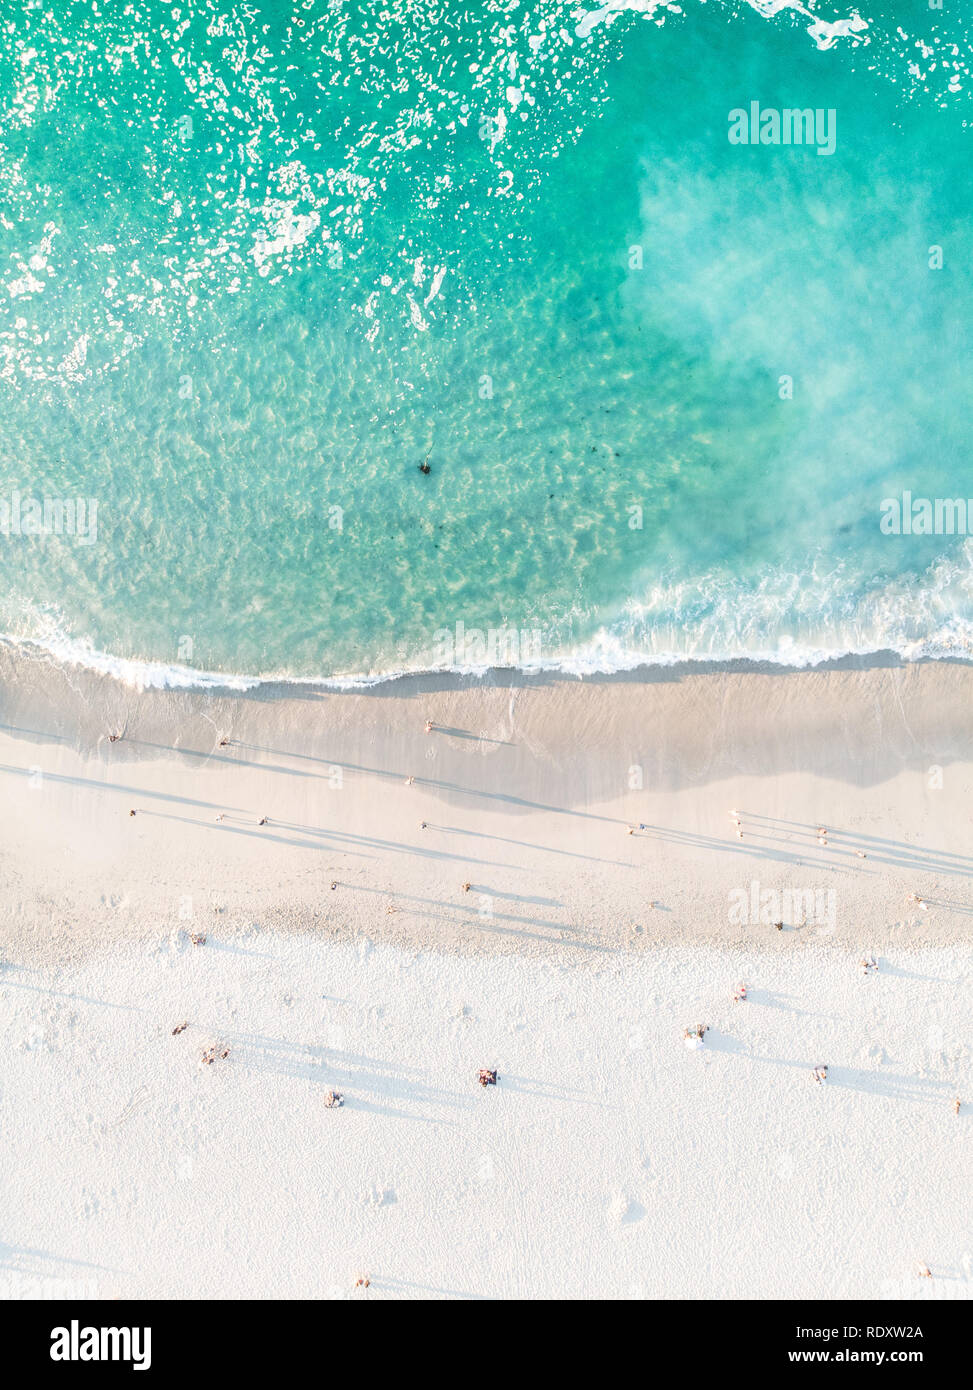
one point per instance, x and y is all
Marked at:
(141, 674)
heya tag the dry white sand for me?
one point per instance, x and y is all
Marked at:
(610, 1161)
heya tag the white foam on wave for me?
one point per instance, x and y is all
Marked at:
(604, 655)
(138, 675)
(915, 622)
(824, 32)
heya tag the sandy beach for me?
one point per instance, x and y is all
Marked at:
(527, 789)
(520, 927)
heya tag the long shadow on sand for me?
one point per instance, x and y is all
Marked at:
(367, 1083)
(880, 849)
(890, 1085)
(95, 782)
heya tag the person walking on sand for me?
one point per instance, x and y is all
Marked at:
(820, 1075)
(429, 726)
(113, 738)
(957, 1103)
(263, 821)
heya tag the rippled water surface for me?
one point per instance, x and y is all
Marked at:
(259, 262)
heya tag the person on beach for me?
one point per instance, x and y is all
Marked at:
(820, 1075)
(219, 819)
(429, 726)
(957, 1103)
(179, 1028)
(467, 887)
(263, 821)
(924, 1272)
(487, 1077)
(422, 825)
(131, 813)
(693, 1037)
(739, 994)
(868, 965)
(410, 781)
(224, 743)
(113, 738)
(334, 1100)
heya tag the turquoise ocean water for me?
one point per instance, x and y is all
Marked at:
(258, 261)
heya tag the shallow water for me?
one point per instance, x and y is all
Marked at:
(257, 270)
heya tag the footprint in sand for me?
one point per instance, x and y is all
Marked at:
(136, 1104)
(625, 1211)
(379, 1197)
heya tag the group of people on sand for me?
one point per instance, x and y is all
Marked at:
(821, 832)
(694, 1034)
